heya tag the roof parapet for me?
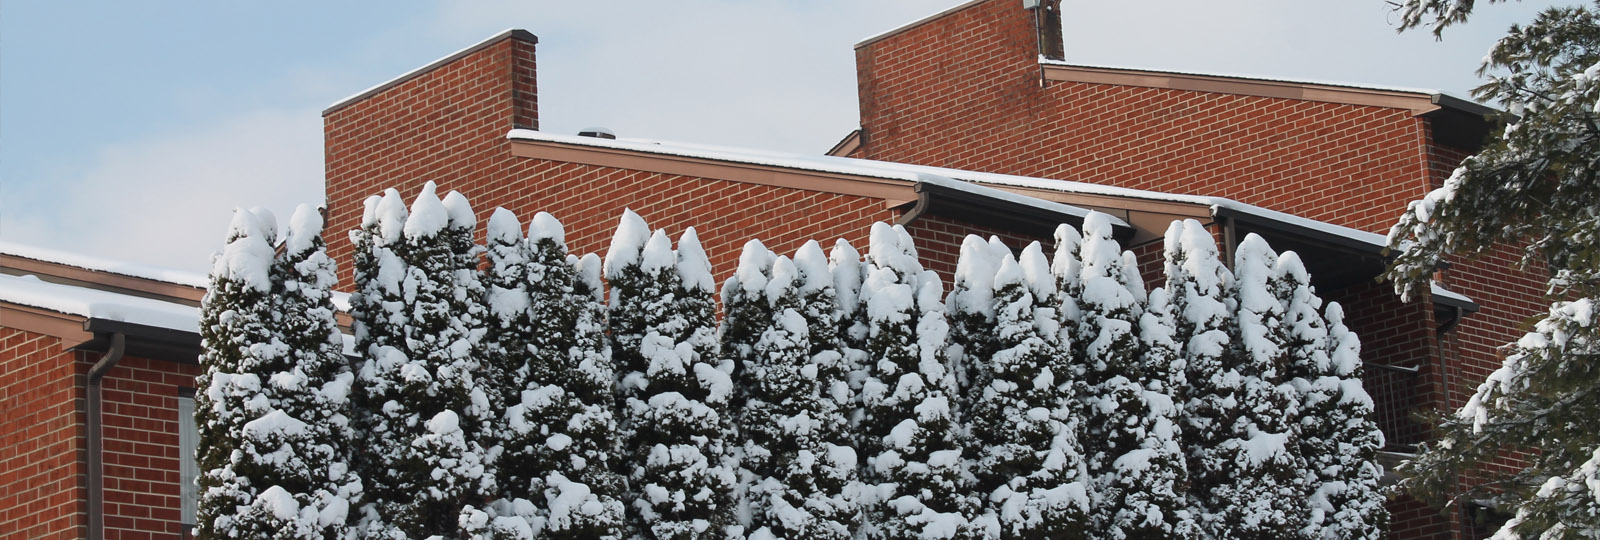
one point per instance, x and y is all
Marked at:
(511, 33)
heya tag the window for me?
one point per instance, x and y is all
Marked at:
(187, 468)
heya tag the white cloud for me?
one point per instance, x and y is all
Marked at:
(166, 201)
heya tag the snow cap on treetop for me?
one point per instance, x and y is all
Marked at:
(1100, 253)
(1008, 273)
(369, 210)
(545, 226)
(657, 253)
(504, 228)
(588, 268)
(1131, 278)
(975, 275)
(1172, 247)
(784, 276)
(247, 257)
(428, 214)
(461, 216)
(845, 265)
(305, 225)
(391, 212)
(626, 243)
(694, 268)
(890, 247)
(1202, 260)
(1036, 271)
(1291, 267)
(755, 261)
(269, 223)
(1066, 263)
(813, 267)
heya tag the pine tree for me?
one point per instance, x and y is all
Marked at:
(558, 426)
(847, 268)
(914, 454)
(311, 384)
(675, 396)
(1266, 492)
(1337, 430)
(1200, 287)
(1532, 187)
(429, 410)
(1154, 479)
(236, 319)
(970, 308)
(747, 314)
(1029, 469)
(832, 454)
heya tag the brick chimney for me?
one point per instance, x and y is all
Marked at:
(444, 122)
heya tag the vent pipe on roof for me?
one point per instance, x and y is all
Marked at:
(597, 132)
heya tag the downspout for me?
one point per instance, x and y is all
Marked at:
(1230, 240)
(916, 211)
(96, 479)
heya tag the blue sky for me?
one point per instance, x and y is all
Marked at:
(129, 130)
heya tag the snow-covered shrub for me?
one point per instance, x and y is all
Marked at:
(918, 475)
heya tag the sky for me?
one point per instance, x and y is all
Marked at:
(130, 130)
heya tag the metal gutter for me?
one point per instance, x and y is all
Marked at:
(96, 472)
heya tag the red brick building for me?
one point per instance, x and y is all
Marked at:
(971, 123)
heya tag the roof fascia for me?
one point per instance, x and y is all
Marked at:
(67, 327)
(1416, 103)
(897, 191)
(147, 341)
(977, 208)
(848, 145)
(96, 279)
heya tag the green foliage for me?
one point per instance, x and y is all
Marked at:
(1533, 185)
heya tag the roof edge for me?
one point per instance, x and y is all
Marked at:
(880, 36)
(511, 33)
(1417, 101)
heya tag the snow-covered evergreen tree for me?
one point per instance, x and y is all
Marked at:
(1265, 492)
(428, 410)
(970, 310)
(558, 425)
(1029, 469)
(848, 270)
(1130, 441)
(746, 315)
(1154, 479)
(675, 391)
(379, 317)
(235, 323)
(274, 412)
(1531, 190)
(1338, 436)
(911, 440)
(1200, 290)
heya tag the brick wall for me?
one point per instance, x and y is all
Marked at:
(447, 125)
(44, 489)
(965, 91)
(140, 414)
(42, 486)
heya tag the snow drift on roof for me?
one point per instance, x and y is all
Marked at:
(87, 262)
(98, 304)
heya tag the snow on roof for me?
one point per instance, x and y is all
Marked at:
(950, 178)
(1439, 292)
(1243, 76)
(89, 262)
(98, 304)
